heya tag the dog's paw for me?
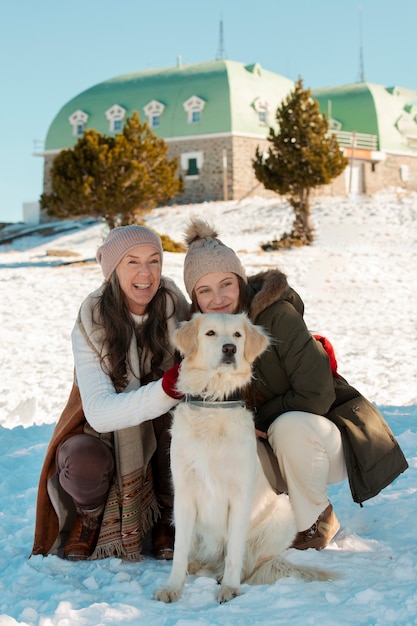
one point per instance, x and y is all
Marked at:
(228, 593)
(165, 594)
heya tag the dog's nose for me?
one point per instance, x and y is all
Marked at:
(229, 349)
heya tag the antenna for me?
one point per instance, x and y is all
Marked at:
(361, 63)
(221, 52)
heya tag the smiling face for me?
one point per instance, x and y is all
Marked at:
(139, 274)
(218, 292)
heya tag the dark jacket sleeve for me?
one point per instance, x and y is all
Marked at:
(300, 361)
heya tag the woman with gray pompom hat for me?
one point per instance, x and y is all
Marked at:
(296, 394)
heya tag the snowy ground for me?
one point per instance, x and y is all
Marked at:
(358, 282)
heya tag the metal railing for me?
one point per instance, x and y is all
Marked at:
(356, 140)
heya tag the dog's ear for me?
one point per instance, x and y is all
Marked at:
(256, 341)
(185, 336)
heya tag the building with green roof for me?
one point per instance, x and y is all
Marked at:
(377, 128)
(214, 115)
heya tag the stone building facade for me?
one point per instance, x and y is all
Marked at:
(214, 115)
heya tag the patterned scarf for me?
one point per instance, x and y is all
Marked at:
(131, 507)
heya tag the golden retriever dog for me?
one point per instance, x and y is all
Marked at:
(229, 522)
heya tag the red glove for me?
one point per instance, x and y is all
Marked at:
(169, 383)
(330, 353)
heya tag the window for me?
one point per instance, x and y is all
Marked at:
(191, 163)
(153, 111)
(261, 106)
(194, 107)
(115, 117)
(262, 116)
(192, 167)
(78, 121)
(117, 126)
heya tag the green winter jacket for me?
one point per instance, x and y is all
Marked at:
(295, 374)
(373, 456)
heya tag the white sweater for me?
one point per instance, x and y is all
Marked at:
(106, 410)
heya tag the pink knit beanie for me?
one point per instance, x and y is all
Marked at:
(118, 243)
(206, 253)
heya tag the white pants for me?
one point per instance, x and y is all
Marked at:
(310, 455)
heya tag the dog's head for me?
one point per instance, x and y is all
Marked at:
(218, 352)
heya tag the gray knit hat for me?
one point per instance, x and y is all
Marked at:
(118, 243)
(206, 253)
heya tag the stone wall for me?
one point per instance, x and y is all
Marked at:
(395, 171)
(209, 184)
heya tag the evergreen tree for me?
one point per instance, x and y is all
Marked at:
(302, 155)
(117, 178)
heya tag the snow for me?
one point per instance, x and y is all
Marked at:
(358, 282)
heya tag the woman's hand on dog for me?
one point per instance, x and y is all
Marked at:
(169, 383)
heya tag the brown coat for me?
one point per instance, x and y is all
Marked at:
(70, 423)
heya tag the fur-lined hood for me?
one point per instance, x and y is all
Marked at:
(267, 288)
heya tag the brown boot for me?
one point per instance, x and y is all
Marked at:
(84, 534)
(319, 535)
(163, 534)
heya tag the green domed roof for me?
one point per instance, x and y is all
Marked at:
(386, 112)
(229, 91)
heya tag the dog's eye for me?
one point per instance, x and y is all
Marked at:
(210, 333)
(237, 334)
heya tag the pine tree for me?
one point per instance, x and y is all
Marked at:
(117, 178)
(302, 155)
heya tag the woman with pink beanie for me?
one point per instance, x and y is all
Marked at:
(106, 479)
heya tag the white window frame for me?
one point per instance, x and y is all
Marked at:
(263, 108)
(78, 120)
(115, 114)
(194, 108)
(153, 111)
(185, 163)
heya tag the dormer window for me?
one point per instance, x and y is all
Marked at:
(78, 120)
(194, 107)
(261, 106)
(115, 117)
(153, 111)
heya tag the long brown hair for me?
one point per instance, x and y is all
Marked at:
(243, 303)
(119, 328)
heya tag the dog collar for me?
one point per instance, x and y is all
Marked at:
(228, 403)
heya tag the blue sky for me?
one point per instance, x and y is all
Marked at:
(52, 50)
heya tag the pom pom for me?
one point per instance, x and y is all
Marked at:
(198, 229)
